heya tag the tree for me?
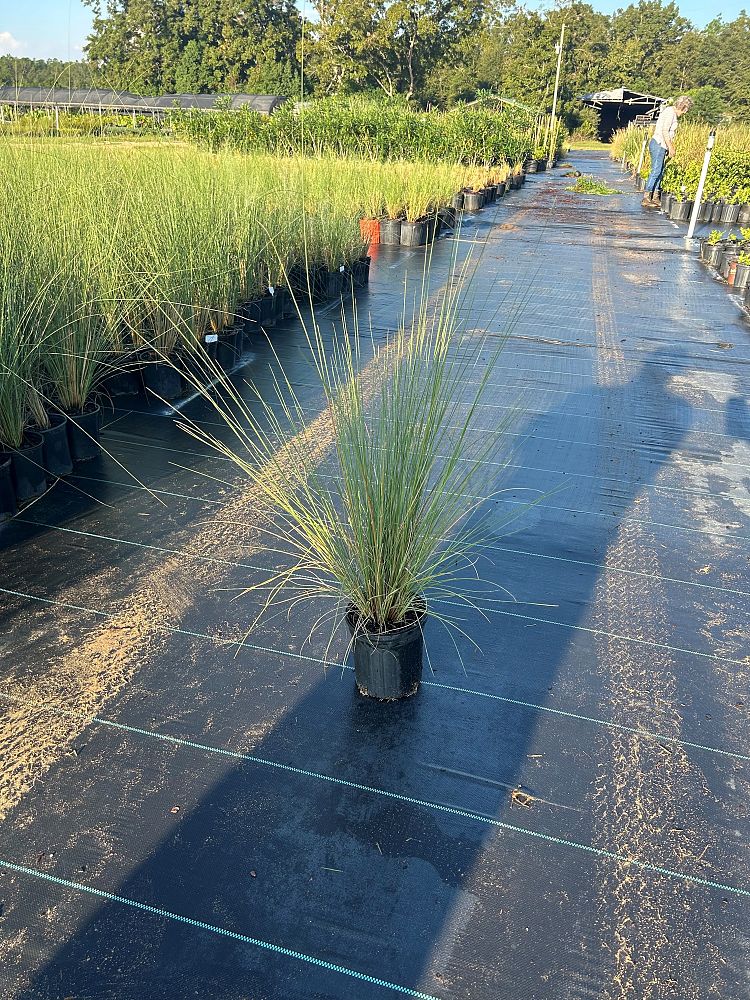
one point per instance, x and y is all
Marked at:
(153, 46)
(709, 104)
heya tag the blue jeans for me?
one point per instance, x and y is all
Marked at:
(658, 158)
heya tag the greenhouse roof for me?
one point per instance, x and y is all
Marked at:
(621, 95)
(119, 100)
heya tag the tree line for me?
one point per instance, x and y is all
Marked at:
(435, 52)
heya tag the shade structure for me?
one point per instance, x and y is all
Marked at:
(621, 106)
(96, 99)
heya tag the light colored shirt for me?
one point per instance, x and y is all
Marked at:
(666, 126)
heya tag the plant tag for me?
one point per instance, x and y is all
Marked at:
(211, 338)
(271, 289)
(342, 268)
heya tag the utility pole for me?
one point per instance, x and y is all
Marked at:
(553, 127)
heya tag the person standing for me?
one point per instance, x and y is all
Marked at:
(662, 145)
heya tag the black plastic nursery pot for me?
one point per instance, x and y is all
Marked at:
(490, 194)
(162, 379)
(743, 219)
(501, 187)
(267, 311)
(123, 381)
(387, 665)
(531, 166)
(329, 284)
(718, 209)
(742, 277)
(229, 348)
(390, 232)
(361, 272)
(730, 214)
(27, 468)
(83, 433)
(541, 165)
(713, 254)
(56, 456)
(706, 211)
(473, 200)
(279, 296)
(666, 202)
(457, 202)
(516, 181)
(680, 210)
(447, 216)
(252, 312)
(8, 506)
(413, 234)
(639, 182)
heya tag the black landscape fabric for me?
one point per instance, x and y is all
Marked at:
(559, 813)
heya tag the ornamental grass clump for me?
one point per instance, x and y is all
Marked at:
(392, 520)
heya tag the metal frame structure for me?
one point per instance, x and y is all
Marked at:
(121, 102)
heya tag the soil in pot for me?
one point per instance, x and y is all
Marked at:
(56, 456)
(162, 379)
(390, 232)
(387, 665)
(473, 200)
(413, 234)
(83, 433)
(27, 468)
(8, 507)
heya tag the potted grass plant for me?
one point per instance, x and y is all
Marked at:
(22, 473)
(386, 531)
(74, 355)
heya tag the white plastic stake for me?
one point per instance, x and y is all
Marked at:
(701, 184)
(643, 154)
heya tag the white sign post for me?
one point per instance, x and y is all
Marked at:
(701, 184)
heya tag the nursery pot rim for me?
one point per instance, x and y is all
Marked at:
(381, 636)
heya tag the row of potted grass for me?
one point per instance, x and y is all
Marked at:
(365, 127)
(117, 261)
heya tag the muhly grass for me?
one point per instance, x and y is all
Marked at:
(395, 515)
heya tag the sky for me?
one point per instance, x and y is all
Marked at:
(45, 29)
